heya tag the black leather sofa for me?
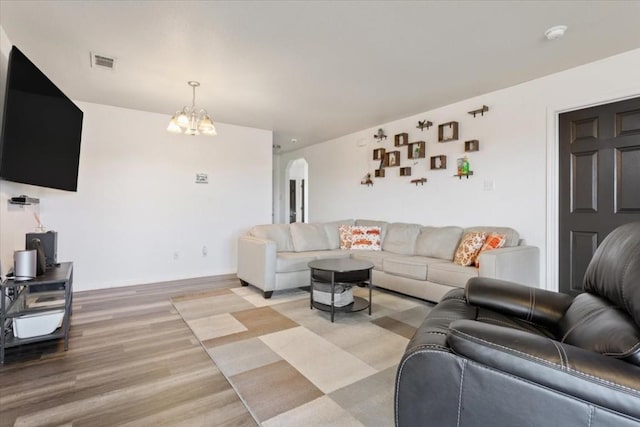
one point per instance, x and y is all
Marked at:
(500, 354)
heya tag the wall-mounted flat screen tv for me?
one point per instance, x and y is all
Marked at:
(41, 129)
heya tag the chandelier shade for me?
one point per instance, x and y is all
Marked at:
(192, 120)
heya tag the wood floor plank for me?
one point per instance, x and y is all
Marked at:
(132, 360)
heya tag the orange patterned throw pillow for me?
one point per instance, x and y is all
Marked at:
(469, 247)
(366, 237)
(494, 241)
(346, 237)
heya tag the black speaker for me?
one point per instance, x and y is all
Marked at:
(49, 241)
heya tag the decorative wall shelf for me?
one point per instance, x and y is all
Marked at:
(439, 162)
(420, 181)
(24, 200)
(380, 135)
(378, 153)
(471, 145)
(480, 111)
(392, 158)
(460, 175)
(448, 132)
(417, 150)
(379, 173)
(401, 139)
(367, 180)
(405, 171)
(424, 124)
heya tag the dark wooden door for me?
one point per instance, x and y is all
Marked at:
(292, 200)
(302, 199)
(599, 182)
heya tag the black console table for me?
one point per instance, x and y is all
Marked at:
(19, 298)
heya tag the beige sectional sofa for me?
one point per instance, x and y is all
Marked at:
(415, 259)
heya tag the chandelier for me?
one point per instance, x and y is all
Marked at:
(192, 120)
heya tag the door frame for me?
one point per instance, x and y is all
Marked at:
(287, 177)
(553, 171)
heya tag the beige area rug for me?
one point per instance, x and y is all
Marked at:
(291, 366)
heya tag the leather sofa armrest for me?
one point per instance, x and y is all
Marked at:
(257, 262)
(534, 305)
(571, 370)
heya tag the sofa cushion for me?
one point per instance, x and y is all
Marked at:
(366, 237)
(512, 237)
(438, 242)
(413, 267)
(333, 232)
(469, 247)
(308, 237)
(372, 223)
(595, 324)
(346, 236)
(293, 261)
(279, 233)
(448, 273)
(333, 253)
(401, 238)
(374, 257)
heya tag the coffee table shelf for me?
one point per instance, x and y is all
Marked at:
(341, 271)
(358, 304)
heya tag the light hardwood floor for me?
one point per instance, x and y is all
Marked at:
(132, 361)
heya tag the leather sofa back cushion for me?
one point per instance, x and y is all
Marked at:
(512, 238)
(279, 233)
(618, 281)
(401, 238)
(438, 242)
(309, 237)
(593, 323)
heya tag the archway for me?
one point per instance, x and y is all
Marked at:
(296, 190)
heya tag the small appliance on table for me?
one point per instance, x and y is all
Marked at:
(331, 283)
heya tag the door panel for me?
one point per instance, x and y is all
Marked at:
(583, 245)
(627, 179)
(584, 185)
(599, 182)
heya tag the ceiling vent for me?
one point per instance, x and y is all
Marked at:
(101, 61)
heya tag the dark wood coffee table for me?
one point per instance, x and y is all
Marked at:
(341, 271)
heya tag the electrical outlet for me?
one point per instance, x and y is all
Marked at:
(205, 251)
(176, 255)
(488, 185)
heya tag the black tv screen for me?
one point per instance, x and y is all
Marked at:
(41, 129)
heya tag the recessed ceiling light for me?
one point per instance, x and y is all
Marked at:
(294, 141)
(555, 32)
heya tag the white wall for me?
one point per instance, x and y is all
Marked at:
(137, 202)
(513, 157)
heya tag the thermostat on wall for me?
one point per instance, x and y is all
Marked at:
(202, 178)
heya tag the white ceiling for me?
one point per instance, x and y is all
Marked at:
(310, 70)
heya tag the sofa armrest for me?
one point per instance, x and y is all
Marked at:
(535, 305)
(520, 264)
(257, 262)
(573, 371)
